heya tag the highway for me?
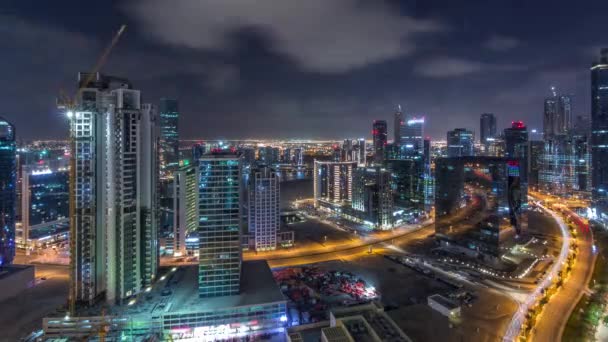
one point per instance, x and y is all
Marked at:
(519, 317)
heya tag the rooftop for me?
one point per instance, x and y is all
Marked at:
(445, 302)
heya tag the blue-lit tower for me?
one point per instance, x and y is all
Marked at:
(8, 191)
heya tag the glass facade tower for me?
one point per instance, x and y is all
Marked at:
(219, 225)
(169, 136)
(599, 134)
(264, 204)
(8, 191)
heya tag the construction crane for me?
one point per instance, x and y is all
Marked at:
(69, 104)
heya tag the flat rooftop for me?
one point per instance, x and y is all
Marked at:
(180, 289)
(445, 302)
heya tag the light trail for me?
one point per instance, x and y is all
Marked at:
(519, 317)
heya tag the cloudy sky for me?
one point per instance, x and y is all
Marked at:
(305, 68)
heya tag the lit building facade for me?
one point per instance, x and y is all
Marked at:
(115, 193)
(599, 134)
(169, 134)
(373, 197)
(461, 143)
(8, 191)
(264, 203)
(565, 164)
(516, 147)
(487, 128)
(398, 117)
(380, 138)
(45, 197)
(333, 182)
(487, 185)
(412, 138)
(219, 224)
(407, 182)
(557, 119)
(185, 205)
(362, 151)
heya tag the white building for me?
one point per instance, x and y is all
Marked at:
(333, 182)
(115, 194)
(185, 206)
(264, 212)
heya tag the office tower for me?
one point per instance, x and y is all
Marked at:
(298, 156)
(460, 143)
(564, 164)
(372, 197)
(537, 148)
(185, 205)
(496, 146)
(407, 181)
(248, 154)
(198, 150)
(397, 126)
(169, 134)
(219, 225)
(391, 151)
(115, 193)
(332, 182)
(45, 198)
(487, 186)
(412, 138)
(429, 184)
(558, 114)
(379, 134)
(516, 147)
(362, 159)
(347, 150)
(286, 156)
(264, 214)
(336, 153)
(269, 155)
(487, 128)
(599, 134)
(8, 191)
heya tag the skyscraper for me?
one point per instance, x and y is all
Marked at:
(397, 126)
(362, 150)
(516, 147)
(264, 214)
(599, 134)
(8, 191)
(333, 182)
(460, 143)
(220, 225)
(558, 114)
(373, 197)
(115, 193)
(169, 135)
(412, 138)
(185, 205)
(380, 136)
(487, 128)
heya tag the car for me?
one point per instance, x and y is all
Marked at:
(42, 278)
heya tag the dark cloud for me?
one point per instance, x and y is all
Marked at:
(501, 43)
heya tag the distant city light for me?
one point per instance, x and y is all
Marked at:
(69, 114)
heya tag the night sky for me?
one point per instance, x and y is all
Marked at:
(305, 68)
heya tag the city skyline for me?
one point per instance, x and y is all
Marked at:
(267, 74)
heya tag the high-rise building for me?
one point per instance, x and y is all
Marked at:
(362, 159)
(407, 182)
(373, 197)
(599, 134)
(488, 186)
(537, 148)
(412, 138)
(558, 114)
(397, 126)
(347, 150)
(487, 128)
(45, 198)
(115, 192)
(380, 136)
(198, 150)
(169, 135)
(516, 147)
(564, 164)
(333, 182)
(286, 155)
(264, 212)
(185, 205)
(298, 156)
(461, 143)
(219, 224)
(8, 191)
